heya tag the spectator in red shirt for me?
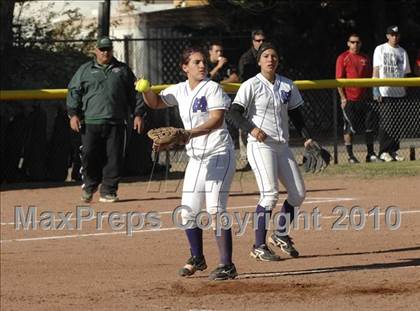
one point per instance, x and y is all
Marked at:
(417, 65)
(357, 112)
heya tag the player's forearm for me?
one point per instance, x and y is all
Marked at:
(236, 116)
(215, 121)
(153, 100)
(298, 122)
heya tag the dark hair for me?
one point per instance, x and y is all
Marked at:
(265, 46)
(219, 43)
(353, 34)
(186, 54)
(257, 32)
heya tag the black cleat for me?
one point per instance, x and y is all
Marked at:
(224, 272)
(264, 253)
(86, 196)
(285, 243)
(193, 264)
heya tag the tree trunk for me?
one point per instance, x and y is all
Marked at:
(6, 37)
(6, 19)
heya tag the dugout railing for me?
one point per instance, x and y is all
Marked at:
(37, 143)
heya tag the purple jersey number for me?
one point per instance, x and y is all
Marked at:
(200, 104)
(285, 96)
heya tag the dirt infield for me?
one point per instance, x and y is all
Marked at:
(90, 269)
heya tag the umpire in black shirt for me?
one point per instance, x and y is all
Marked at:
(100, 99)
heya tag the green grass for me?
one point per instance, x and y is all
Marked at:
(372, 170)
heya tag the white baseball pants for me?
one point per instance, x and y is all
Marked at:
(271, 162)
(207, 181)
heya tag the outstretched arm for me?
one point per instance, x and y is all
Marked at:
(153, 100)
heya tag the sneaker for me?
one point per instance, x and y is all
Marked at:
(108, 198)
(264, 253)
(397, 157)
(285, 243)
(86, 196)
(193, 264)
(385, 156)
(372, 158)
(224, 272)
(353, 160)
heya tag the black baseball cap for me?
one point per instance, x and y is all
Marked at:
(393, 30)
(265, 46)
(104, 42)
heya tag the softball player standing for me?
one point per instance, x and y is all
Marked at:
(270, 99)
(202, 105)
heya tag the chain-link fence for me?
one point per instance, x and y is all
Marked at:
(369, 122)
(37, 143)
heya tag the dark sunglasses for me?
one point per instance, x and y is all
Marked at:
(353, 42)
(105, 49)
(259, 40)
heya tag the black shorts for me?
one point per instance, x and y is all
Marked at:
(359, 117)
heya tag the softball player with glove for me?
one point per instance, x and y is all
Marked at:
(208, 176)
(270, 100)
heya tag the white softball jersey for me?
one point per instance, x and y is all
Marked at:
(392, 63)
(211, 167)
(272, 161)
(194, 108)
(267, 105)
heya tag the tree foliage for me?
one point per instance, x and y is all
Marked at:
(42, 41)
(49, 24)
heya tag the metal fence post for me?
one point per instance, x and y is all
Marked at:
(335, 125)
(126, 51)
(103, 18)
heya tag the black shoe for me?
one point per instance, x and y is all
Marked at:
(285, 243)
(264, 253)
(353, 160)
(193, 264)
(224, 272)
(86, 196)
